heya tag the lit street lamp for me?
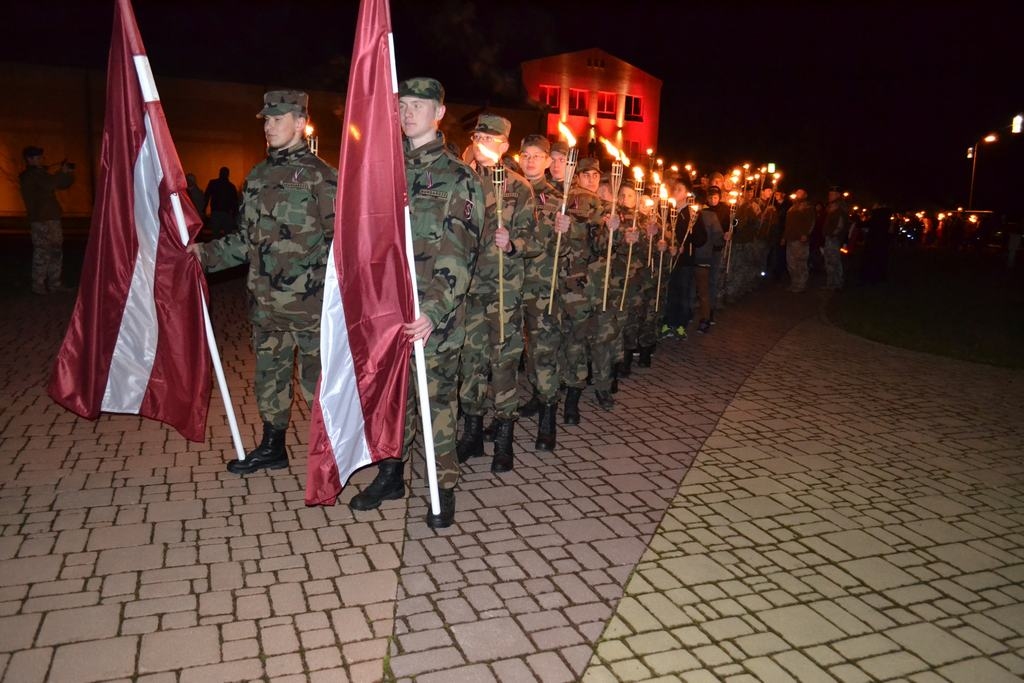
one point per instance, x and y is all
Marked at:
(972, 153)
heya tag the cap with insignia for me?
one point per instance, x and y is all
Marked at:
(492, 124)
(588, 164)
(561, 147)
(425, 88)
(538, 141)
(278, 102)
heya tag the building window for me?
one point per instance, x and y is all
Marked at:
(578, 102)
(606, 105)
(634, 108)
(631, 148)
(549, 95)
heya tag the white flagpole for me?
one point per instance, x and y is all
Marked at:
(417, 347)
(211, 342)
(149, 94)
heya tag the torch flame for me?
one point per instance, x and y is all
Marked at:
(567, 134)
(494, 157)
(638, 173)
(662, 193)
(657, 178)
(615, 152)
(648, 202)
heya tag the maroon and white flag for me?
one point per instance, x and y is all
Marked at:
(359, 410)
(136, 340)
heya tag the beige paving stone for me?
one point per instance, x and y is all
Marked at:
(17, 632)
(28, 666)
(892, 665)
(800, 625)
(178, 649)
(932, 644)
(492, 639)
(241, 670)
(27, 570)
(84, 623)
(877, 573)
(98, 660)
(362, 589)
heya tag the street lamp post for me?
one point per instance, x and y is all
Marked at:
(972, 153)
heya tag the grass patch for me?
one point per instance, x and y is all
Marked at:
(965, 306)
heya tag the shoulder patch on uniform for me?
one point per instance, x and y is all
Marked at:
(469, 209)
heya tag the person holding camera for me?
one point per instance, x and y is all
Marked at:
(38, 191)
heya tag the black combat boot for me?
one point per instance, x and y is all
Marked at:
(546, 427)
(645, 356)
(605, 400)
(571, 416)
(626, 366)
(446, 497)
(489, 430)
(389, 484)
(503, 452)
(270, 454)
(471, 443)
(531, 407)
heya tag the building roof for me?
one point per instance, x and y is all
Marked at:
(593, 68)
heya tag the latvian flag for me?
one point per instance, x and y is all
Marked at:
(359, 410)
(136, 340)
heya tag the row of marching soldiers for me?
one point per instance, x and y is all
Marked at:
(542, 251)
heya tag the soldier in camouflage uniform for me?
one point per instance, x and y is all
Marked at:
(446, 204)
(543, 330)
(584, 216)
(743, 266)
(485, 354)
(606, 334)
(38, 188)
(642, 285)
(286, 223)
(837, 228)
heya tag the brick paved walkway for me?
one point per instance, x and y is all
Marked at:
(853, 513)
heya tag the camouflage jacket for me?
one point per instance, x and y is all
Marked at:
(286, 223)
(540, 267)
(748, 225)
(519, 217)
(837, 222)
(586, 210)
(447, 206)
(37, 190)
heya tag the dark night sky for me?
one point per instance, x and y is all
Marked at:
(881, 97)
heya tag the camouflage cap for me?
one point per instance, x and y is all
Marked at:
(425, 88)
(492, 124)
(538, 141)
(278, 102)
(561, 147)
(588, 164)
(32, 151)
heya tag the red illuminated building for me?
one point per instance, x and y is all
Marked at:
(597, 95)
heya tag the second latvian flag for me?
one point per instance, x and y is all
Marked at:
(136, 341)
(359, 410)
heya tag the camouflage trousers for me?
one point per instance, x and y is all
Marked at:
(639, 327)
(484, 354)
(275, 366)
(47, 255)
(543, 343)
(442, 387)
(577, 314)
(796, 263)
(650, 326)
(743, 271)
(833, 263)
(715, 293)
(606, 334)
